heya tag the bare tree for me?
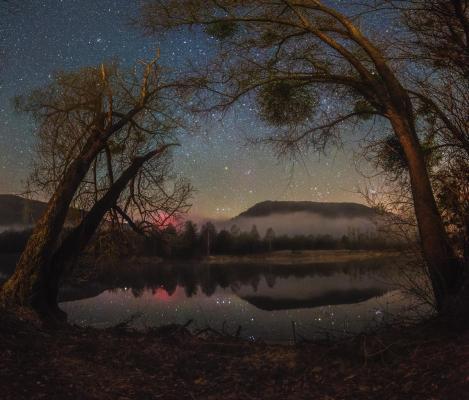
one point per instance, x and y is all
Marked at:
(103, 141)
(440, 31)
(436, 47)
(312, 69)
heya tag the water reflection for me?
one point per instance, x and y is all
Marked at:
(332, 297)
(267, 287)
(262, 299)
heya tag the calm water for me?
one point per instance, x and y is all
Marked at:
(263, 300)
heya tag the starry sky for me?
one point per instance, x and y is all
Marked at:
(229, 176)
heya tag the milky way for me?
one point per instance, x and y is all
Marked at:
(46, 36)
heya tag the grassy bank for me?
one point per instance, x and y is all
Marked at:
(302, 257)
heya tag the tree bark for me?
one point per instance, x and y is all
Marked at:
(443, 265)
(28, 284)
(77, 240)
(26, 287)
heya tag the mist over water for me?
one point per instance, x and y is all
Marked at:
(303, 223)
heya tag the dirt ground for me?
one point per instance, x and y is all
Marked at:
(38, 362)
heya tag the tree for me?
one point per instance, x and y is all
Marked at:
(208, 234)
(269, 238)
(254, 233)
(103, 141)
(440, 38)
(289, 55)
(254, 239)
(436, 44)
(224, 242)
(189, 239)
(440, 31)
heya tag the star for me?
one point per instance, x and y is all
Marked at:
(39, 41)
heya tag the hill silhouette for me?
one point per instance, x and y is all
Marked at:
(329, 210)
(17, 211)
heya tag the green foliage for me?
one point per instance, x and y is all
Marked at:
(139, 137)
(426, 113)
(391, 156)
(423, 109)
(116, 148)
(392, 159)
(365, 109)
(221, 29)
(286, 102)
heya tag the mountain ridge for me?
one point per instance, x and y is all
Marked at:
(325, 209)
(19, 211)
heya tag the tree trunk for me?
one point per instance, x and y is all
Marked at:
(443, 265)
(26, 287)
(78, 239)
(444, 268)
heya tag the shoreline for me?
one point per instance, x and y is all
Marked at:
(309, 257)
(281, 257)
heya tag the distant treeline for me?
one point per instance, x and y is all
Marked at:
(191, 242)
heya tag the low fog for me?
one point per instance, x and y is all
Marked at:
(302, 223)
(14, 228)
(291, 224)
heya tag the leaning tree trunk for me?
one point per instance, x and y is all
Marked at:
(27, 286)
(78, 238)
(443, 265)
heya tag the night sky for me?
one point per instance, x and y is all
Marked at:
(46, 36)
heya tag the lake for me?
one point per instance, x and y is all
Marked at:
(259, 301)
